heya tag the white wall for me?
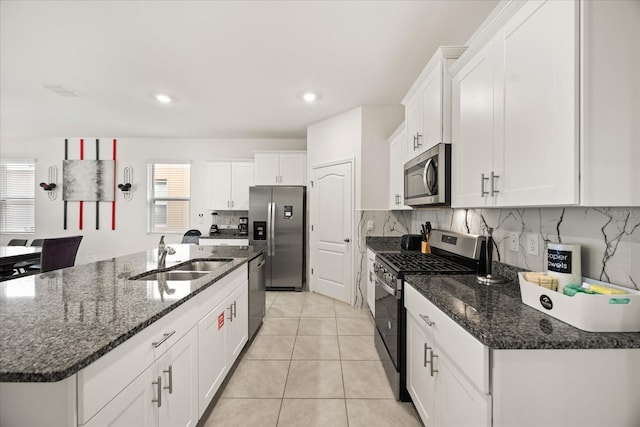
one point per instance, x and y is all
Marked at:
(333, 139)
(360, 134)
(130, 234)
(378, 124)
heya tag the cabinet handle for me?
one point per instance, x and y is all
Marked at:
(228, 204)
(165, 337)
(371, 276)
(235, 314)
(433, 356)
(426, 348)
(418, 143)
(170, 372)
(414, 143)
(230, 308)
(158, 385)
(482, 192)
(493, 178)
(427, 320)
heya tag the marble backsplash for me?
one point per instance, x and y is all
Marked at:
(609, 237)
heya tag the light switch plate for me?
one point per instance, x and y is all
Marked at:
(532, 244)
(370, 225)
(514, 241)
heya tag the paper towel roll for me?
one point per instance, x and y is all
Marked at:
(564, 263)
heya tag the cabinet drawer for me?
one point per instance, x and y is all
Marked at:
(102, 380)
(466, 352)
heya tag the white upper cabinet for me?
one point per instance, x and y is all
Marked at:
(515, 113)
(540, 164)
(610, 125)
(428, 104)
(477, 93)
(545, 107)
(229, 184)
(280, 168)
(397, 153)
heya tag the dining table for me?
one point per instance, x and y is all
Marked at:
(10, 255)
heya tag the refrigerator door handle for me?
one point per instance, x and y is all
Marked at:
(269, 221)
(273, 228)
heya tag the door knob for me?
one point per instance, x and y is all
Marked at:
(347, 240)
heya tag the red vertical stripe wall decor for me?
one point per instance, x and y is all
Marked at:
(89, 180)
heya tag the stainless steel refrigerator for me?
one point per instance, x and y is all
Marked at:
(277, 220)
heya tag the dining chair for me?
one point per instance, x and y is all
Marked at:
(192, 236)
(22, 266)
(57, 253)
(17, 242)
(37, 242)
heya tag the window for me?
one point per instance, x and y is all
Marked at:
(168, 197)
(17, 196)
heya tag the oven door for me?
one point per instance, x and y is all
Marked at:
(386, 318)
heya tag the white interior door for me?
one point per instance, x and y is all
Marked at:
(331, 235)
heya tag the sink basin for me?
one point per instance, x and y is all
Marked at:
(203, 265)
(172, 275)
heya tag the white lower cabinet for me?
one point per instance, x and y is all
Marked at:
(222, 334)
(447, 369)
(420, 382)
(168, 374)
(163, 395)
(371, 282)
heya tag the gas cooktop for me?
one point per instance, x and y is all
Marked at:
(420, 263)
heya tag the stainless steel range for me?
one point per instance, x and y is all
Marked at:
(452, 253)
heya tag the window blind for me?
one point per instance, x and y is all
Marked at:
(168, 197)
(17, 196)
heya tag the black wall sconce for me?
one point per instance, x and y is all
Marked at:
(50, 187)
(126, 187)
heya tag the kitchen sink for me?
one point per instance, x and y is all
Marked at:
(171, 275)
(190, 270)
(203, 265)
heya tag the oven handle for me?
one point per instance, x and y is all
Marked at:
(386, 287)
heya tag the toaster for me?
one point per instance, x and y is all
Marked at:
(411, 242)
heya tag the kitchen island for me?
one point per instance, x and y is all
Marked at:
(86, 333)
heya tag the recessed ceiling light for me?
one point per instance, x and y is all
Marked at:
(309, 97)
(165, 99)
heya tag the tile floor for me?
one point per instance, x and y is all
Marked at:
(313, 363)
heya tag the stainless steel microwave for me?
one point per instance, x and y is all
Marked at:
(427, 178)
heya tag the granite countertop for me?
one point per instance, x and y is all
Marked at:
(56, 323)
(496, 316)
(230, 233)
(384, 244)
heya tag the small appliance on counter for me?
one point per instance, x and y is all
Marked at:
(214, 227)
(410, 242)
(243, 227)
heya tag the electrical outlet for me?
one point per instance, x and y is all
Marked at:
(369, 225)
(514, 241)
(532, 244)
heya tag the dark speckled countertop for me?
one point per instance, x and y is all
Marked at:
(495, 314)
(56, 323)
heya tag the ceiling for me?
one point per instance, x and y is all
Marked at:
(236, 69)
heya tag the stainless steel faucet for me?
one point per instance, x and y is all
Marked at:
(162, 253)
